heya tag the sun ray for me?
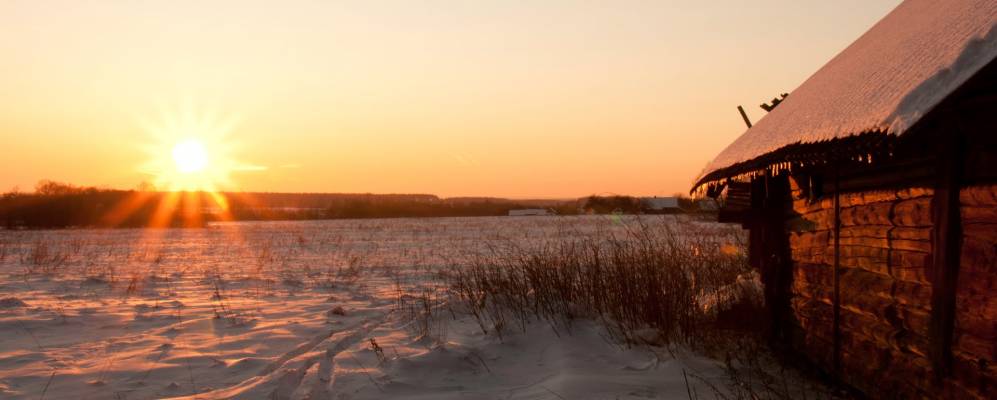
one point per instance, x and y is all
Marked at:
(162, 217)
(221, 202)
(126, 208)
(190, 150)
(190, 210)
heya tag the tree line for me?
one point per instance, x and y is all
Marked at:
(61, 205)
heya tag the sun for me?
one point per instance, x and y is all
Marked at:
(190, 156)
(190, 150)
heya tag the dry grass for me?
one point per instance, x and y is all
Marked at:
(44, 259)
(648, 284)
(423, 309)
(656, 283)
(660, 284)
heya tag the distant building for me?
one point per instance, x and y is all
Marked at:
(530, 212)
(657, 205)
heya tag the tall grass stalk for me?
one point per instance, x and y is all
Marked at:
(653, 283)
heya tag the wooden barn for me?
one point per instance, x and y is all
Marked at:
(870, 194)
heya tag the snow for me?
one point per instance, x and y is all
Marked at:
(885, 81)
(287, 311)
(660, 203)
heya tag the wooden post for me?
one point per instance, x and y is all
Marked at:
(769, 249)
(946, 245)
(836, 293)
(745, 116)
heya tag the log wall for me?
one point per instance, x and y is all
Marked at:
(885, 253)
(974, 347)
(885, 250)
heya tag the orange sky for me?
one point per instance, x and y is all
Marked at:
(516, 99)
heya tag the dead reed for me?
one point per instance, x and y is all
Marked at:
(651, 283)
(44, 259)
(685, 283)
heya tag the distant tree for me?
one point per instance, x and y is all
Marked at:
(686, 203)
(145, 186)
(609, 204)
(13, 192)
(52, 188)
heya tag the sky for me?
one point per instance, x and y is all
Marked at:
(542, 99)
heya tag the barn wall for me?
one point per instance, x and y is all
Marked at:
(974, 349)
(885, 294)
(885, 250)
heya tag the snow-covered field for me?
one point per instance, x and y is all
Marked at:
(317, 309)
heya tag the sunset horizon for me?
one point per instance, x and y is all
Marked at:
(492, 199)
(556, 101)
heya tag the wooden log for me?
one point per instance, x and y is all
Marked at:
(909, 233)
(971, 378)
(816, 293)
(813, 310)
(819, 274)
(914, 212)
(980, 277)
(914, 320)
(981, 232)
(976, 307)
(808, 255)
(868, 197)
(813, 255)
(915, 192)
(906, 265)
(914, 274)
(804, 206)
(976, 347)
(875, 370)
(810, 221)
(878, 265)
(866, 231)
(813, 292)
(909, 259)
(809, 239)
(907, 376)
(875, 305)
(886, 243)
(864, 241)
(955, 389)
(856, 281)
(865, 251)
(913, 295)
(869, 214)
(977, 323)
(856, 321)
(862, 363)
(911, 245)
(978, 196)
(979, 214)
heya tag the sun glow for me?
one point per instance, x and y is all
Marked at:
(191, 151)
(190, 156)
(190, 162)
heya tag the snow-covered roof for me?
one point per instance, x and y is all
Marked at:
(884, 82)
